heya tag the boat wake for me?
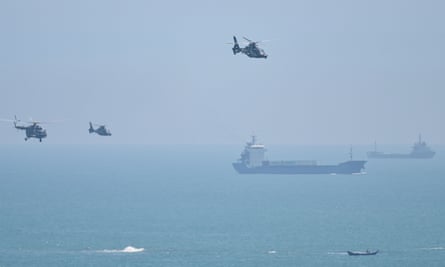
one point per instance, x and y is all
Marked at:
(128, 249)
(433, 248)
(338, 253)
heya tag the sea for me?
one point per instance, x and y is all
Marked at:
(184, 205)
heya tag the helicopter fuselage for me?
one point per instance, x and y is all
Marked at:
(101, 130)
(253, 51)
(33, 131)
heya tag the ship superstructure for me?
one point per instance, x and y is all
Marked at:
(252, 161)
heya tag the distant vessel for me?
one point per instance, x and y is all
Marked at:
(420, 151)
(252, 161)
(362, 253)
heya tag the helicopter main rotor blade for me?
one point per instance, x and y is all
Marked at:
(44, 122)
(250, 41)
(95, 124)
(8, 120)
(256, 42)
(31, 121)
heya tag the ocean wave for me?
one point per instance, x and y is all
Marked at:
(272, 252)
(128, 249)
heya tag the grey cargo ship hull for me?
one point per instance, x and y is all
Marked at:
(380, 155)
(348, 167)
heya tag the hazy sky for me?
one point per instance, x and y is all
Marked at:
(338, 72)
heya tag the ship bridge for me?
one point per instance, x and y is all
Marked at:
(255, 155)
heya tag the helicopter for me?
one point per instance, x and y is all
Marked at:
(251, 50)
(101, 130)
(32, 131)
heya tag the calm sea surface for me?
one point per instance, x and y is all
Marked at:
(63, 205)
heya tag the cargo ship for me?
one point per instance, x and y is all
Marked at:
(252, 162)
(420, 150)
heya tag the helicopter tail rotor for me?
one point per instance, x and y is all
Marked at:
(236, 49)
(91, 130)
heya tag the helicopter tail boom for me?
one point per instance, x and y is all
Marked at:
(18, 127)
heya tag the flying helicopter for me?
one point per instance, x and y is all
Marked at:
(101, 130)
(251, 50)
(34, 130)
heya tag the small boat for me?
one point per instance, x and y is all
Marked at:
(362, 253)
